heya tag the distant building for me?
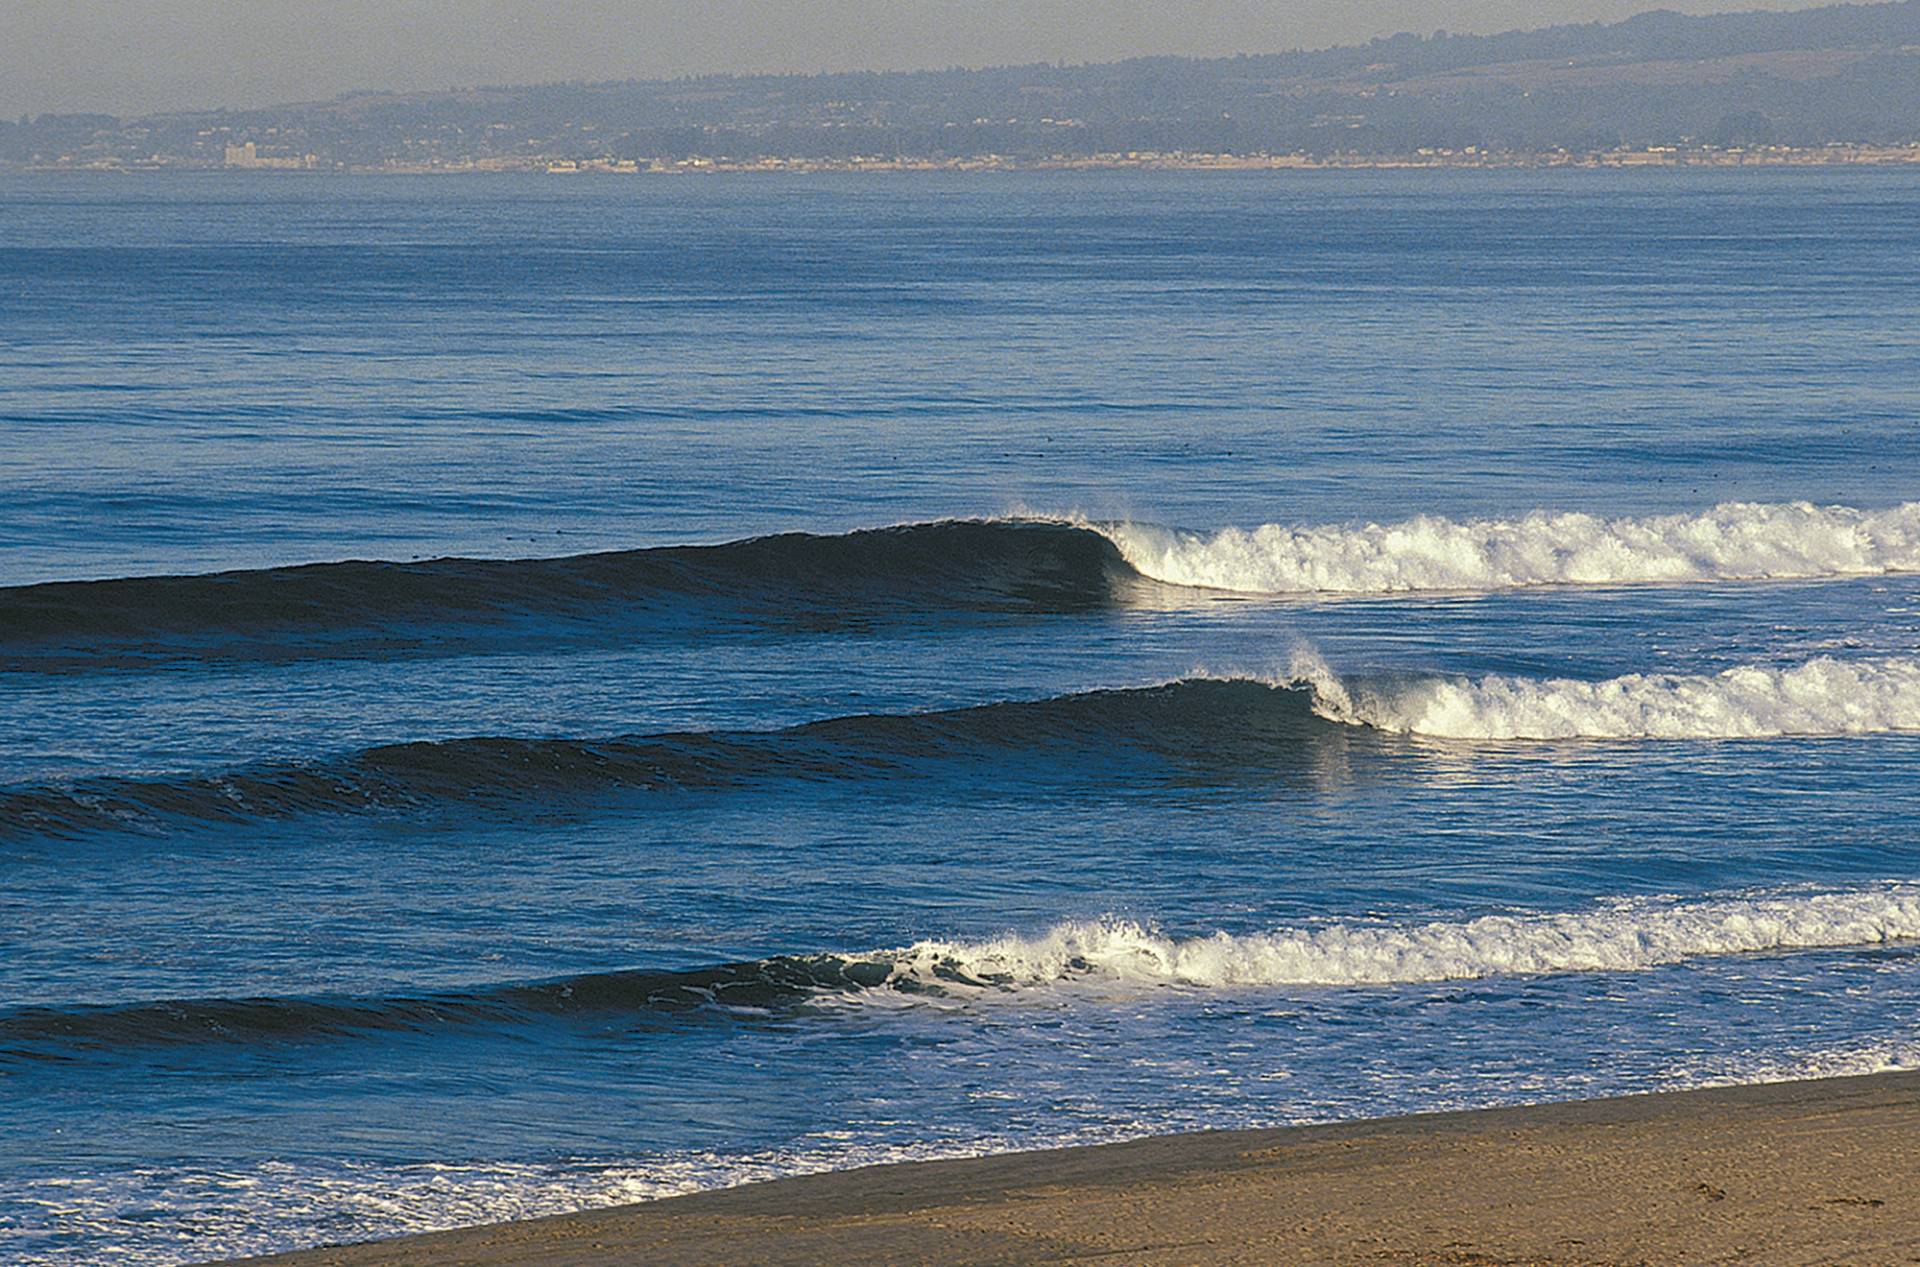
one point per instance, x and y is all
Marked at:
(247, 155)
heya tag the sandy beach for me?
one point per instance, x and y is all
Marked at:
(1805, 1172)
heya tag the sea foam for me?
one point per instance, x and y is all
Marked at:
(1889, 1055)
(1823, 696)
(1734, 541)
(1617, 936)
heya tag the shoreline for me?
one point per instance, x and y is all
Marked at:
(1814, 1171)
(1654, 158)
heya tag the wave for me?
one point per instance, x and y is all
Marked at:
(1102, 958)
(1820, 697)
(801, 581)
(29, 1032)
(1195, 724)
(1734, 541)
(1197, 728)
(794, 580)
(1619, 936)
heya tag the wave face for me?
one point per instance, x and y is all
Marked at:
(30, 1032)
(1735, 541)
(1820, 697)
(1105, 957)
(1204, 723)
(791, 580)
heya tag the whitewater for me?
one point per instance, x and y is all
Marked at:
(1734, 541)
(1620, 935)
(1819, 697)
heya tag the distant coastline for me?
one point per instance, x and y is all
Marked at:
(1831, 86)
(1838, 155)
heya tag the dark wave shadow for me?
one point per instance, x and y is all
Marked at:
(1195, 731)
(791, 582)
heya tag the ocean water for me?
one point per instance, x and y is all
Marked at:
(522, 694)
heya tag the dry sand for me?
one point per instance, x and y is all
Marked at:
(1805, 1172)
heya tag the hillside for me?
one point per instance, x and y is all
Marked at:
(1844, 73)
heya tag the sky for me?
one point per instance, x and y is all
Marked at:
(140, 56)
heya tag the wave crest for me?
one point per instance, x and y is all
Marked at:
(1620, 936)
(793, 580)
(1733, 541)
(1824, 696)
(1194, 724)
(1097, 958)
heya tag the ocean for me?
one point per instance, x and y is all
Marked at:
(530, 693)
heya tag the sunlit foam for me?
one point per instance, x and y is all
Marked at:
(1617, 936)
(1734, 541)
(1824, 696)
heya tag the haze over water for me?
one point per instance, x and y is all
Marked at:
(1265, 650)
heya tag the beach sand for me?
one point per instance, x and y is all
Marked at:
(1802, 1172)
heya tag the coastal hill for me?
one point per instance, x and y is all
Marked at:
(1840, 75)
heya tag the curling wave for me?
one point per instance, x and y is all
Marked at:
(1200, 723)
(1820, 697)
(1102, 958)
(794, 580)
(1734, 541)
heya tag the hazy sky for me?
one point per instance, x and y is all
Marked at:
(134, 56)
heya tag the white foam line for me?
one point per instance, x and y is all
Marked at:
(1733, 541)
(1622, 935)
(1884, 1056)
(1823, 696)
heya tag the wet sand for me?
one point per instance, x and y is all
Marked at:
(1805, 1172)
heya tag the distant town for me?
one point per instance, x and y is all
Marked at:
(1835, 85)
(247, 157)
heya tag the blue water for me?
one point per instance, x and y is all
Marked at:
(346, 901)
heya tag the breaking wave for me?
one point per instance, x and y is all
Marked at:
(1620, 936)
(801, 581)
(1734, 541)
(1102, 958)
(1819, 697)
(1195, 728)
